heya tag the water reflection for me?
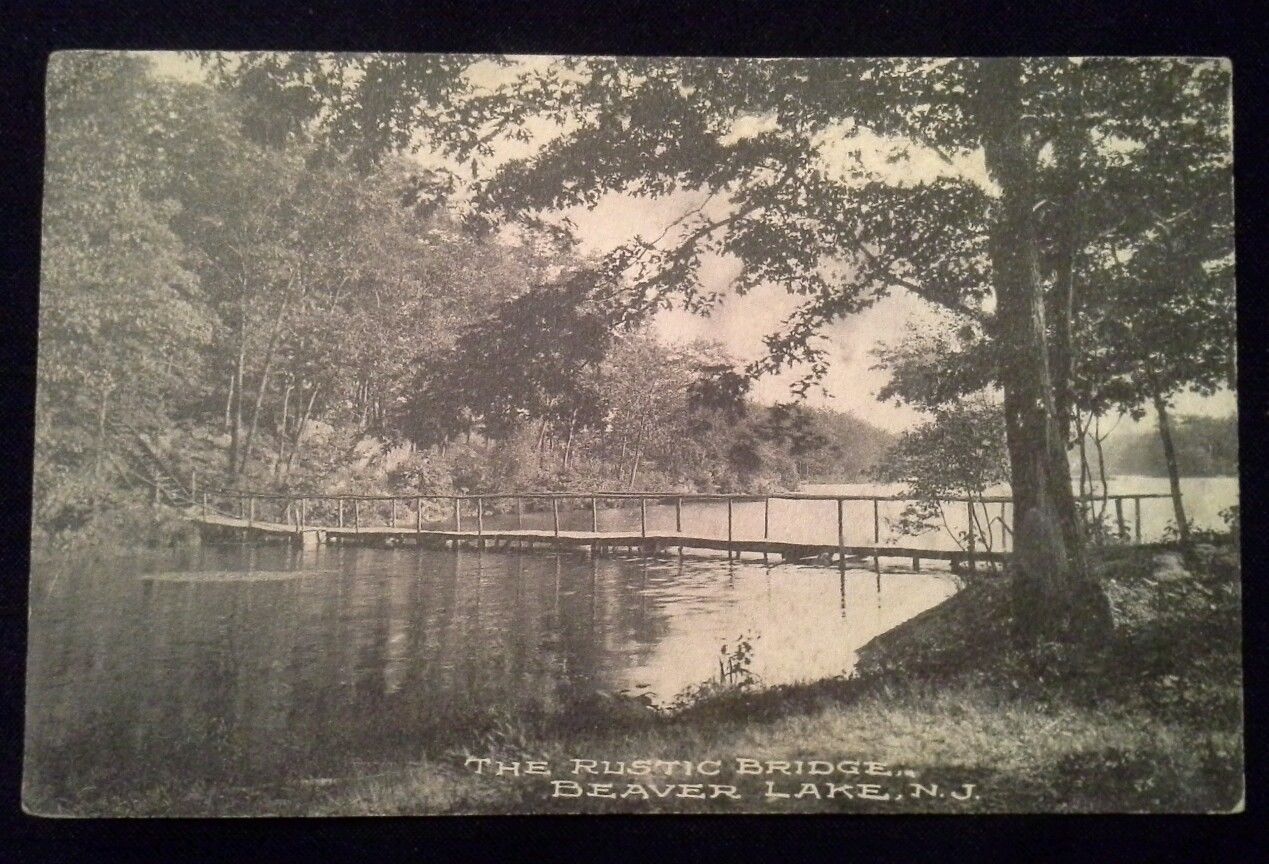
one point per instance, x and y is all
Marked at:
(261, 661)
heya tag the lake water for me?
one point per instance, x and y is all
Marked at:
(237, 663)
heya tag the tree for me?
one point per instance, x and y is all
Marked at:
(121, 319)
(526, 359)
(959, 453)
(1146, 343)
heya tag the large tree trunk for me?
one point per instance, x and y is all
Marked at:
(1069, 229)
(1174, 472)
(1055, 595)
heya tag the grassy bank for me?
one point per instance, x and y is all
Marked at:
(1152, 722)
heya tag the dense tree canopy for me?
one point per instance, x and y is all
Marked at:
(228, 291)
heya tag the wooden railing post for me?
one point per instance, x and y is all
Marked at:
(204, 505)
(357, 515)
(1004, 529)
(392, 513)
(969, 527)
(841, 532)
(340, 521)
(519, 513)
(1119, 517)
(251, 511)
(303, 512)
(480, 517)
(643, 518)
(1136, 519)
(678, 516)
(876, 532)
(555, 516)
(418, 515)
(594, 515)
(766, 523)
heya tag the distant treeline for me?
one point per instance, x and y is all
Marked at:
(850, 451)
(1205, 447)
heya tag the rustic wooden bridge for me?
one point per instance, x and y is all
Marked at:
(392, 519)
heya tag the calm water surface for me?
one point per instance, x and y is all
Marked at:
(237, 663)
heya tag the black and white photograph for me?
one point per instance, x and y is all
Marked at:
(423, 434)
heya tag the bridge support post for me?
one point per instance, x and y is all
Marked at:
(841, 533)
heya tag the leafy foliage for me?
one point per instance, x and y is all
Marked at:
(266, 308)
(959, 453)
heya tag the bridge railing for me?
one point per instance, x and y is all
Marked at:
(459, 512)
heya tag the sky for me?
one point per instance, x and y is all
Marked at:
(740, 322)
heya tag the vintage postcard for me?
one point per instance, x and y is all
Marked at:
(455, 434)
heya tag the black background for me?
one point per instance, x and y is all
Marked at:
(34, 29)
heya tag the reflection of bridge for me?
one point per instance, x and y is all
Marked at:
(388, 519)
